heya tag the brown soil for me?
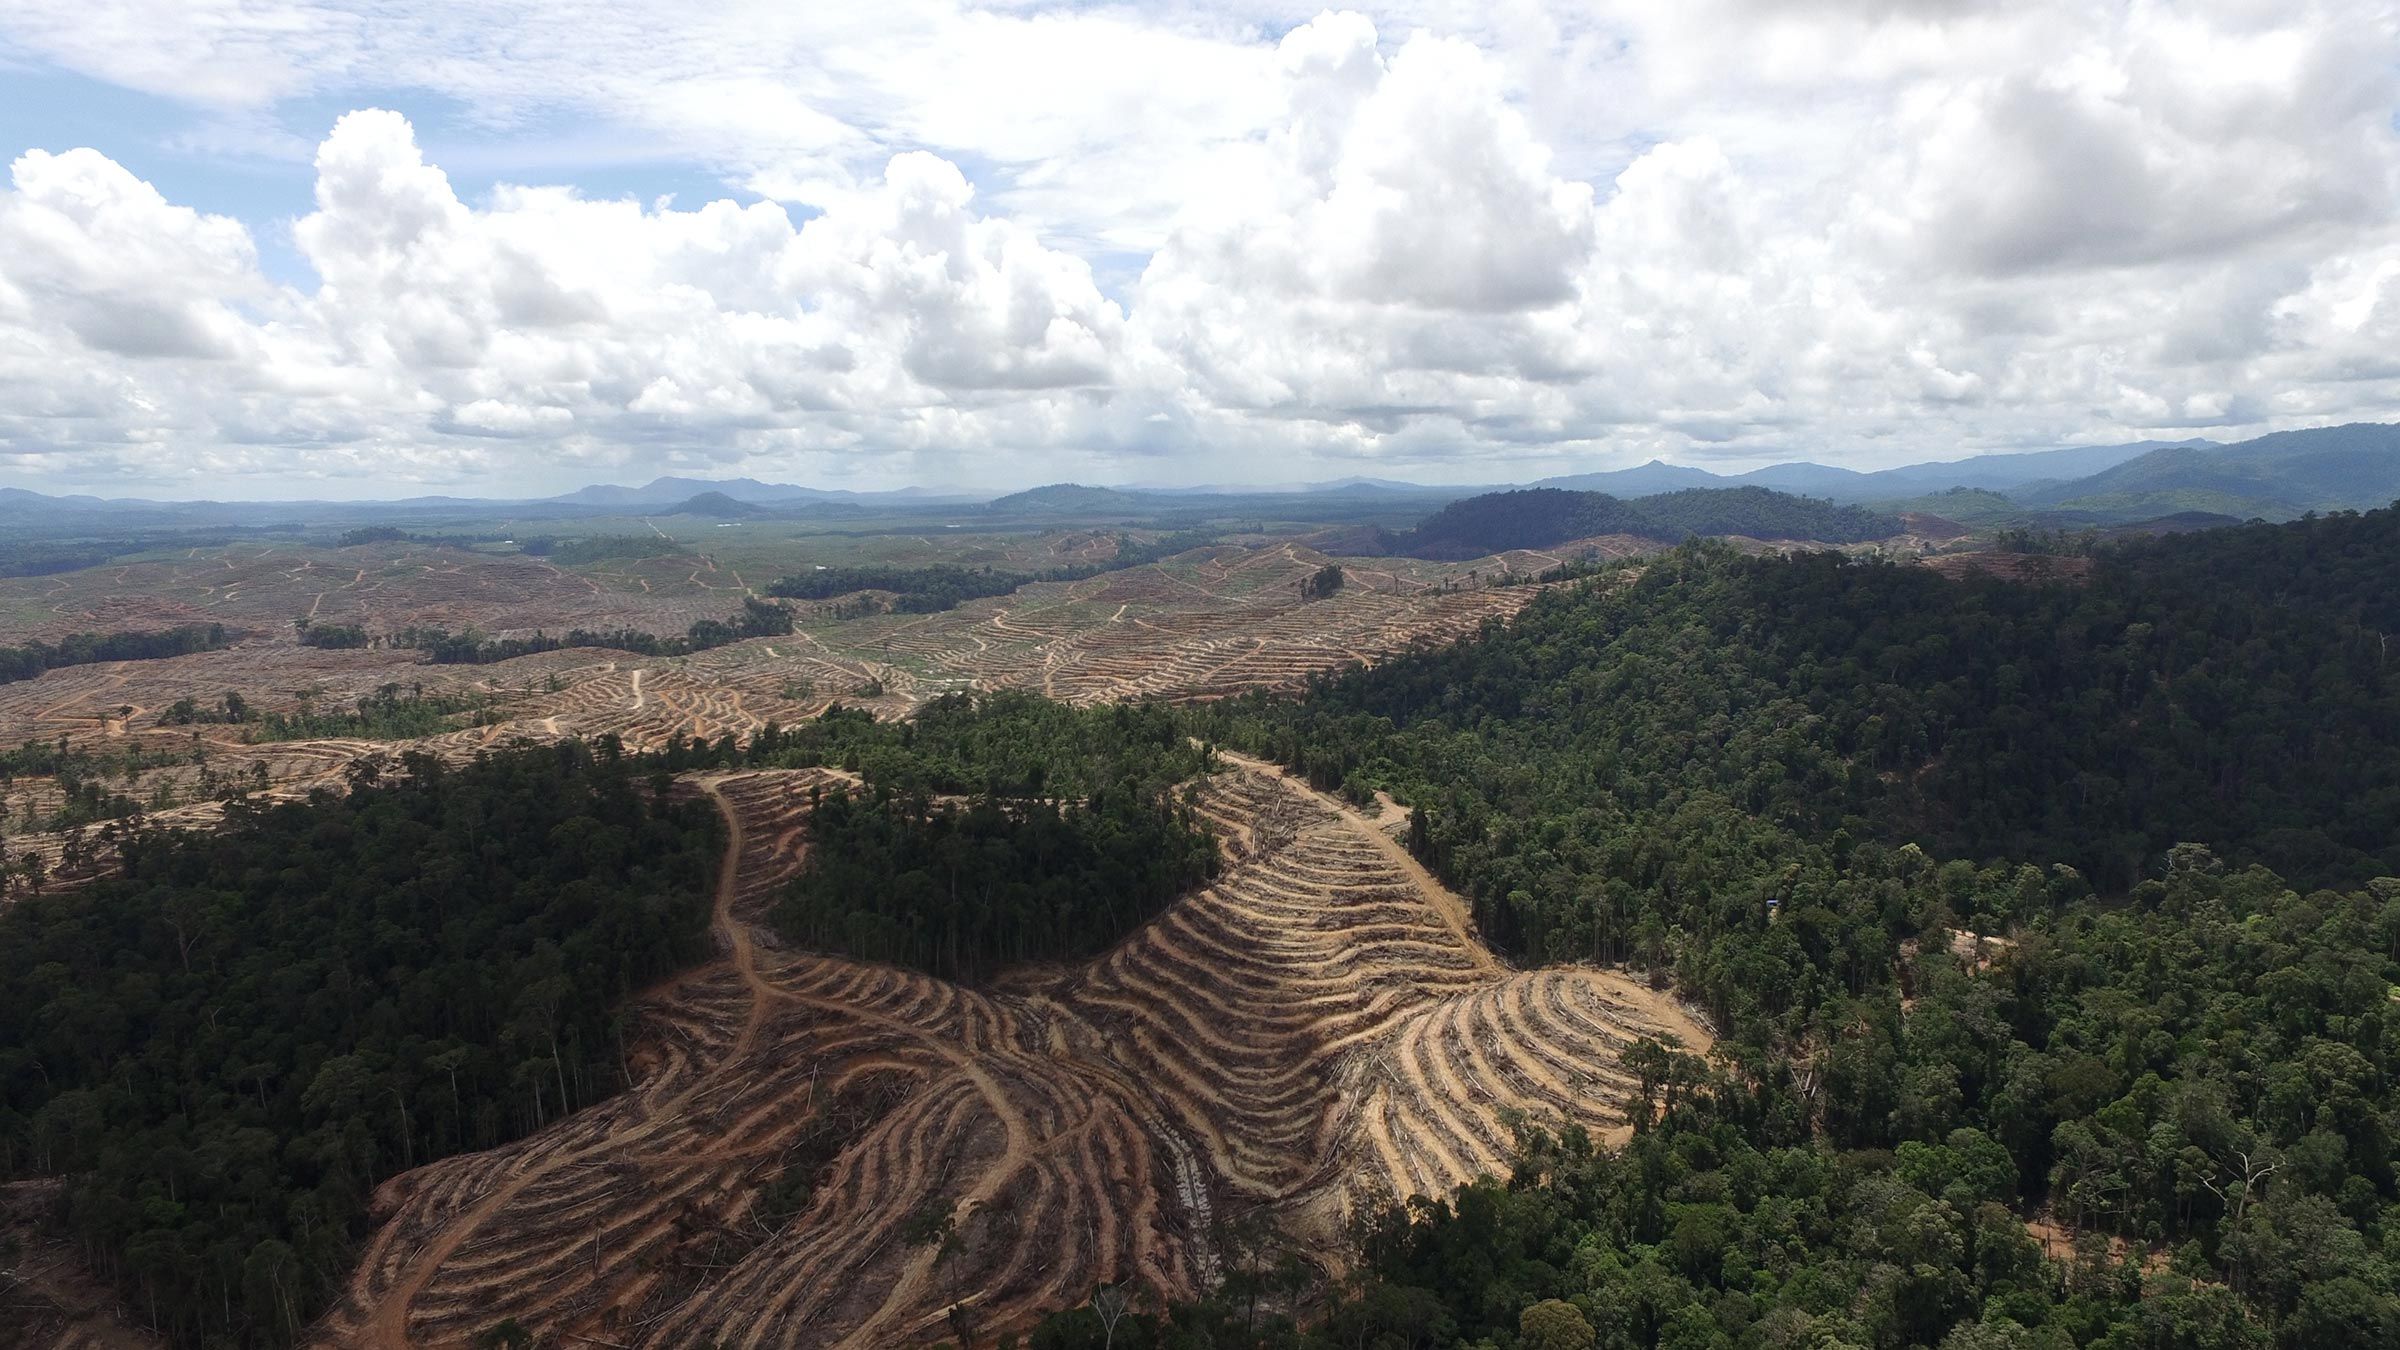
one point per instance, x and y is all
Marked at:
(47, 1300)
(2020, 567)
(1316, 1030)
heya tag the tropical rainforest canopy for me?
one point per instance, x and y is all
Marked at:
(226, 1047)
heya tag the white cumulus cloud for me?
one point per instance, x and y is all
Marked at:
(1006, 242)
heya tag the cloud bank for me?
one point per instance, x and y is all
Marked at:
(999, 245)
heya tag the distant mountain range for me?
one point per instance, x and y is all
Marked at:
(664, 492)
(2274, 477)
(1997, 472)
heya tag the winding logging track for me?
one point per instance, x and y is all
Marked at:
(1316, 1030)
(1215, 622)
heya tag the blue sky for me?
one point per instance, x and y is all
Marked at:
(256, 166)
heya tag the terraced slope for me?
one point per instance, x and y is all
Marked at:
(1317, 1029)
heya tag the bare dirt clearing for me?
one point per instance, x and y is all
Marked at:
(1312, 1032)
(46, 1297)
(264, 586)
(1210, 623)
(1213, 622)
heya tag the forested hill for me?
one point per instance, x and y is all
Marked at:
(1070, 836)
(1973, 878)
(1760, 513)
(2233, 687)
(1542, 517)
(1533, 518)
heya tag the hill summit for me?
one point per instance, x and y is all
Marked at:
(1541, 517)
(1061, 499)
(717, 506)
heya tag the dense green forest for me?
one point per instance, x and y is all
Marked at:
(387, 714)
(227, 1046)
(1761, 513)
(1064, 833)
(1530, 518)
(393, 534)
(1009, 744)
(915, 590)
(330, 636)
(933, 588)
(1973, 879)
(27, 660)
(44, 557)
(575, 552)
(757, 618)
(1541, 517)
(964, 890)
(591, 549)
(2231, 687)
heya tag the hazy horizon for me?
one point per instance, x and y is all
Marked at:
(984, 491)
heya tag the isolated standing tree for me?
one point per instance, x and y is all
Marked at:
(1109, 1304)
(2237, 1192)
(1649, 1063)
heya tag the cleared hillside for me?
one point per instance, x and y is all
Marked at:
(1316, 1031)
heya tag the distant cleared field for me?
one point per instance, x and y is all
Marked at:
(1214, 620)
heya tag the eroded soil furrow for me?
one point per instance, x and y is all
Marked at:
(1317, 1030)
